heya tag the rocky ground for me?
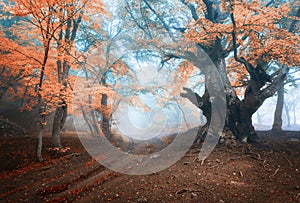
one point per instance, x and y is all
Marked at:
(265, 172)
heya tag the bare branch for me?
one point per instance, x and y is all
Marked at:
(160, 19)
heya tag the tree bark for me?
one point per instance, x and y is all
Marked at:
(105, 124)
(42, 110)
(41, 131)
(277, 124)
(40, 144)
(58, 123)
(63, 68)
(239, 112)
(238, 118)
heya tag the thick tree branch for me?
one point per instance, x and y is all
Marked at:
(257, 74)
(277, 82)
(193, 97)
(192, 9)
(209, 10)
(202, 103)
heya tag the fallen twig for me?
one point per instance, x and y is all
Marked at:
(289, 161)
(263, 164)
(276, 171)
(186, 163)
(224, 162)
(256, 156)
(241, 174)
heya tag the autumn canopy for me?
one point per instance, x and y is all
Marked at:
(48, 46)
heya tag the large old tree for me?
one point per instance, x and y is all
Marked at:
(251, 43)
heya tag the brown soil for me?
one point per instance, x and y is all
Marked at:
(264, 172)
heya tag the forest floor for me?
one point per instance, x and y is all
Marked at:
(268, 171)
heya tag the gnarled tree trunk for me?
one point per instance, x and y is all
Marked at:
(239, 111)
(238, 117)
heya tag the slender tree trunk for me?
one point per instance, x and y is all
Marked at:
(277, 124)
(294, 113)
(287, 113)
(93, 128)
(42, 111)
(105, 116)
(40, 144)
(105, 124)
(40, 136)
(95, 122)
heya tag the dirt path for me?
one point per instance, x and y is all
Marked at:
(268, 172)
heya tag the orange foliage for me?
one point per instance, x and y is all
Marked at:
(260, 24)
(18, 75)
(260, 34)
(45, 45)
(185, 70)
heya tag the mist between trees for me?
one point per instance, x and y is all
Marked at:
(109, 54)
